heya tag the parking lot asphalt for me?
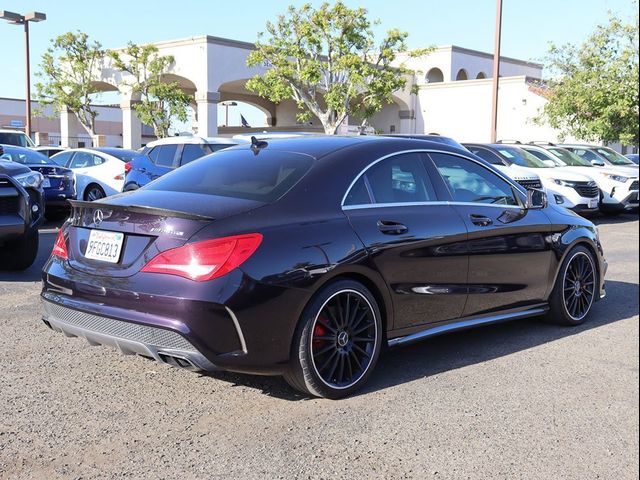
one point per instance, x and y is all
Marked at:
(516, 400)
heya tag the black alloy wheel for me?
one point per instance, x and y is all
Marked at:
(579, 286)
(337, 342)
(94, 192)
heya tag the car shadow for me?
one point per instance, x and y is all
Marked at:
(460, 349)
(623, 217)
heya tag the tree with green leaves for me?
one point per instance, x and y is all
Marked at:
(593, 94)
(68, 69)
(160, 101)
(327, 60)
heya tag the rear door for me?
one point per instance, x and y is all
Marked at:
(509, 255)
(416, 242)
(164, 158)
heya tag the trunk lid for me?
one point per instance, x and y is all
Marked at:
(150, 223)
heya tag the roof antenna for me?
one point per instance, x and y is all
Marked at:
(256, 144)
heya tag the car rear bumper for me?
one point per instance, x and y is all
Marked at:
(165, 346)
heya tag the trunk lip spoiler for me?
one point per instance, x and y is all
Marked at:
(141, 209)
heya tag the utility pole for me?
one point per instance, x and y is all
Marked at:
(496, 72)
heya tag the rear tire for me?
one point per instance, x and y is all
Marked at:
(20, 254)
(337, 342)
(575, 290)
(93, 192)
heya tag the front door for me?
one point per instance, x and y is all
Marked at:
(510, 256)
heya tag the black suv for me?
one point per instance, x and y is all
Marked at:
(21, 212)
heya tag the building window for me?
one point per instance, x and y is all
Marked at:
(462, 75)
(481, 75)
(435, 75)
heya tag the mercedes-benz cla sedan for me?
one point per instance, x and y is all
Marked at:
(305, 257)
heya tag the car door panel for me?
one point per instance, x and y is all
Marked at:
(425, 267)
(509, 255)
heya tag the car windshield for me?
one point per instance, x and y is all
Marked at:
(25, 156)
(570, 158)
(521, 157)
(263, 177)
(18, 139)
(614, 157)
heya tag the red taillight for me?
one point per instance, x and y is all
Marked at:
(60, 247)
(127, 167)
(205, 260)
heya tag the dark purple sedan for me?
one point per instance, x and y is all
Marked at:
(304, 257)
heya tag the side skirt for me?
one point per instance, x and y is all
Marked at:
(463, 324)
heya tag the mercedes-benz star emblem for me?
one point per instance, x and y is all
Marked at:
(343, 338)
(98, 217)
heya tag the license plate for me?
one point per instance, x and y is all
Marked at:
(593, 203)
(46, 183)
(104, 246)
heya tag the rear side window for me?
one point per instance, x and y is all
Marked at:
(469, 182)
(165, 155)
(264, 177)
(397, 179)
(192, 151)
(85, 160)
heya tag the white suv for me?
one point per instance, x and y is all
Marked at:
(618, 186)
(564, 187)
(16, 138)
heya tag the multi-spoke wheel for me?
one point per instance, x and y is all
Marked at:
(338, 341)
(94, 192)
(575, 289)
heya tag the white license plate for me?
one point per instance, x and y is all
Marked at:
(593, 203)
(104, 246)
(46, 183)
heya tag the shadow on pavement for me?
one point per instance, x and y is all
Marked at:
(460, 349)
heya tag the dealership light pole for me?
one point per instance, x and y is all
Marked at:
(496, 73)
(226, 111)
(18, 19)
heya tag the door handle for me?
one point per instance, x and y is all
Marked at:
(480, 220)
(392, 228)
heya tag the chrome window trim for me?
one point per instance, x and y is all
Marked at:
(417, 204)
(511, 182)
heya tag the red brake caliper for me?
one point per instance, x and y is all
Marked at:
(319, 331)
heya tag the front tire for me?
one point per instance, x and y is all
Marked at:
(337, 342)
(575, 289)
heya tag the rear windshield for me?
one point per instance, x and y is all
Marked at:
(264, 177)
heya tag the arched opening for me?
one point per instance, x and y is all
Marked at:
(462, 75)
(481, 75)
(435, 75)
(239, 107)
(184, 83)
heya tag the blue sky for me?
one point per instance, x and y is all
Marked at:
(528, 26)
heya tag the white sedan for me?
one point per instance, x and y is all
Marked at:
(99, 171)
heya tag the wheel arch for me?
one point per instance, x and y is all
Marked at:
(88, 186)
(582, 241)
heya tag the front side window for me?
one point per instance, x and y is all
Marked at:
(569, 158)
(469, 182)
(398, 179)
(587, 155)
(62, 158)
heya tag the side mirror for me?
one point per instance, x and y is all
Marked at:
(536, 199)
(549, 163)
(597, 163)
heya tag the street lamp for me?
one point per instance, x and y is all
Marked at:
(226, 111)
(17, 19)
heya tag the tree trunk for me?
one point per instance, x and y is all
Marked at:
(331, 128)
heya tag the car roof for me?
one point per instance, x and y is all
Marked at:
(112, 150)
(191, 139)
(320, 145)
